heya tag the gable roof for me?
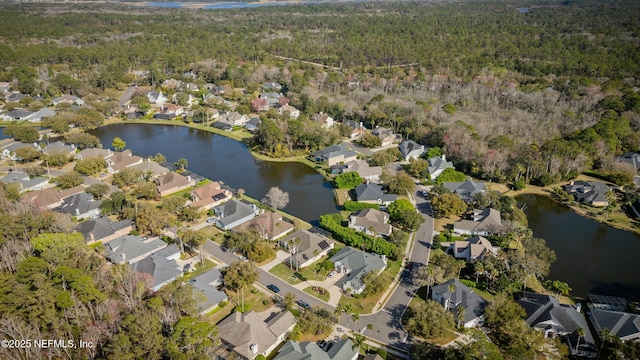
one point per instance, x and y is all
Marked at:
(335, 151)
(172, 180)
(465, 189)
(358, 263)
(588, 191)
(478, 247)
(59, 146)
(49, 197)
(232, 211)
(487, 220)
(158, 267)
(79, 204)
(363, 169)
(123, 159)
(631, 158)
(152, 167)
(621, 324)
(373, 192)
(24, 181)
(472, 303)
(269, 225)
(206, 284)
(342, 349)
(19, 113)
(125, 248)
(100, 228)
(375, 218)
(410, 147)
(94, 152)
(309, 243)
(439, 163)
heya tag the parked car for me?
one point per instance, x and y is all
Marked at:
(211, 220)
(332, 274)
(186, 268)
(424, 193)
(302, 304)
(273, 288)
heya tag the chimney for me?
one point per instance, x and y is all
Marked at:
(77, 212)
(253, 348)
(91, 237)
(578, 307)
(444, 157)
(188, 178)
(361, 125)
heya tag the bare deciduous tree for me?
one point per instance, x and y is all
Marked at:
(276, 198)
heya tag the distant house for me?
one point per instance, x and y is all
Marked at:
(356, 264)
(371, 221)
(18, 115)
(309, 248)
(173, 182)
(631, 158)
(323, 119)
(160, 267)
(151, 168)
(545, 314)
(270, 225)
(42, 114)
(624, 325)
(251, 334)
(369, 173)
(168, 112)
(592, 193)
(233, 213)
(59, 147)
(103, 230)
(24, 181)
(342, 349)
(271, 87)
(260, 104)
(172, 84)
(232, 119)
(411, 149)
(10, 151)
(67, 99)
(450, 297)
(466, 190)
(81, 206)
(15, 97)
(373, 194)
(156, 97)
(252, 124)
(51, 197)
(335, 154)
(132, 111)
(93, 153)
(121, 160)
(273, 99)
(208, 196)
(472, 249)
(483, 222)
(212, 99)
(293, 112)
(437, 165)
(129, 248)
(357, 128)
(386, 135)
(208, 285)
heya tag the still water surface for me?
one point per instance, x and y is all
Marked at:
(592, 257)
(219, 158)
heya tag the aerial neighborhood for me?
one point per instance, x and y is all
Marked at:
(219, 193)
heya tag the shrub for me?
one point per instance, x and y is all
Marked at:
(355, 206)
(356, 239)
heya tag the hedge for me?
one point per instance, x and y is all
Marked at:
(357, 239)
(350, 205)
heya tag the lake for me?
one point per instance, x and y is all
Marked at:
(222, 159)
(240, 5)
(592, 257)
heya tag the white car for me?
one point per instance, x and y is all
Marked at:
(332, 274)
(211, 220)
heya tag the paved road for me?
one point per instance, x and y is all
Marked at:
(126, 96)
(266, 278)
(386, 323)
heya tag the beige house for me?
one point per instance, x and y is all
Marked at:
(472, 249)
(51, 197)
(371, 222)
(209, 196)
(270, 225)
(93, 153)
(122, 160)
(306, 246)
(173, 182)
(483, 222)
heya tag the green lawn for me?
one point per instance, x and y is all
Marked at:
(366, 305)
(257, 302)
(305, 274)
(200, 269)
(324, 297)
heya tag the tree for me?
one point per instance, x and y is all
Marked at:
(369, 140)
(355, 317)
(288, 300)
(57, 158)
(127, 176)
(118, 144)
(182, 163)
(400, 184)
(397, 207)
(159, 158)
(69, 180)
(97, 190)
(348, 180)
(82, 140)
(90, 166)
(447, 205)
(580, 332)
(150, 219)
(428, 319)
(417, 167)
(276, 198)
(195, 239)
(146, 190)
(239, 275)
(25, 134)
(450, 175)
(27, 154)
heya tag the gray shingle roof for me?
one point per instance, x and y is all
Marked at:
(207, 284)
(158, 267)
(465, 189)
(373, 192)
(438, 163)
(472, 303)
(79, 204)
(621, 324)
(357, 264)
(341, 350)
(101, 228)
(125, 248)
(232, 211)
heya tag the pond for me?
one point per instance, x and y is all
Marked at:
(219, 158)
(591, 257)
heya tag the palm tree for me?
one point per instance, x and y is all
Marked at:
(452, 289)
(288, 301)
(460, 316)
(605, 337)
(478, 268)
(292, 245)
(580, 332)
(355, 317)
(370, 328)
(182, 163)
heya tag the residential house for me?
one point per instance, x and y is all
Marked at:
(483, 222)
(271, 87)
(173, 182)
(121, 160)
(371, 221)
(81, 206)
(103, 230)
(132, 111)
(42, 114)
(50, 198)
(93, 153)
(472, 249)
(5, 88)
(342, 349)
(151, 169)
(67, 99)
(273, 99)
(233, 213)
(208, 196)
(624, 325)
(168, 112)
(386, 135)
(368, 173)
(466, 190)
(190, 99)
(59, 147)
(356, 264)
(372, 194)
(453, 294)
(24, 181)
(208, 285)
(437, 165)
(15, 97)
(260, 104)
(306, 247)
(251, 334)
(18, 115)
(172, 84)
(544, 313)
(160, 268)
(252, 124)
(323, 119)
(270, 225)
(631, 158)
(233, 119)
(156, 97)
(373, 357)
(411, 149)
(212, 99)
(10, 151)
(592, 193)
(612, 303)
(129, 248)
(190, 87)
(357, 128)
(293, 112)
(335, 154)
